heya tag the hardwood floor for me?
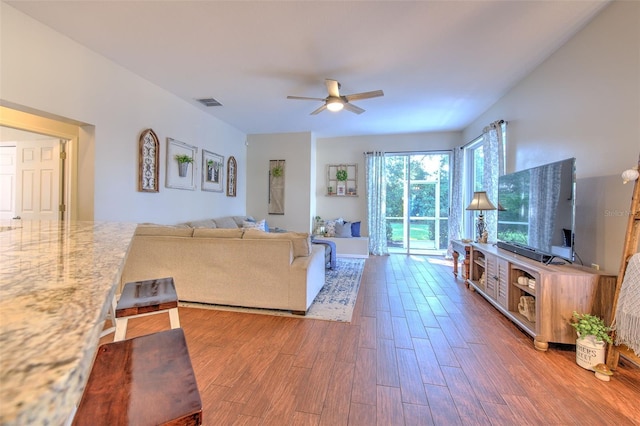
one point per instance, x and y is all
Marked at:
(421, 349)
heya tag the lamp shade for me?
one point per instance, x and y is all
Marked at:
(480, 202)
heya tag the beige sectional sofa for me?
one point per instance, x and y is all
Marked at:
(234, 266)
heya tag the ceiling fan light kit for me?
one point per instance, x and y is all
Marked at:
(336, 102)
(334, 105)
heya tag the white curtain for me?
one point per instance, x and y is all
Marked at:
(376, 203)
(493, 151)
(544, 190)
(456, 212)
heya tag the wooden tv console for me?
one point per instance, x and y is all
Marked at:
(559, 290)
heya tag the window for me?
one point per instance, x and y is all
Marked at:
(474, 178)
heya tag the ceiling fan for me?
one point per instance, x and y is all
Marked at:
(336, 102)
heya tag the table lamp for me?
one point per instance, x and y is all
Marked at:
(481, 202)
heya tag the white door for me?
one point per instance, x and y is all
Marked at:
(7, 182)
(38, 180)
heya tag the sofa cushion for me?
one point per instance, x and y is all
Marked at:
(164, 230)
(226, 222)
(300, 241)
(217, 233)
(204, 223)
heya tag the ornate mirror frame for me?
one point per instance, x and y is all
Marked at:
(232, 173)
(148, 162)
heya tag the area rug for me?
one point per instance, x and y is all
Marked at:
(334, 302)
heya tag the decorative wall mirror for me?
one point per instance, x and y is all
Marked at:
(232, 173)
(148, 161)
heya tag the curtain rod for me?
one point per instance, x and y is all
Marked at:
(479, 136)
(411, 152)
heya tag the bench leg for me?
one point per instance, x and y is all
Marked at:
(111, 316)
(173, 318)
(121, 329)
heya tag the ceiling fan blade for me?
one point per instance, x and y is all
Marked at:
(304, 98)
(353, 108)
(333, 87)
(319, 110)
(364, 95)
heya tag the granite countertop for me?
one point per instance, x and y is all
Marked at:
(56, 279)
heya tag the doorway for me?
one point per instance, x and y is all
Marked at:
(61, 181)
(417, 202)
(30, 175)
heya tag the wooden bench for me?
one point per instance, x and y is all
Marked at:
(147, 380)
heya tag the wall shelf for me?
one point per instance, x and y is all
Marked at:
(347, 188)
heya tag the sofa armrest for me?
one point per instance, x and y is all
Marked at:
(309, 270)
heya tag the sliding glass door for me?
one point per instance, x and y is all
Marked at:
(417, 204)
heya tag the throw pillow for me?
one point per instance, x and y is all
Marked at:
(330, 226)
(240, 219)
(226, 222)
(355, 229)
(343, 230)
(260, 225)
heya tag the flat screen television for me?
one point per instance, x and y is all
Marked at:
(536, 211)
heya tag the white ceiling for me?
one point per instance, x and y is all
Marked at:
(440, 63)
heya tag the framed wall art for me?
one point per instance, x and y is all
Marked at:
(276, 186)
(232, 175)
(212, 171)
(148, 161)
(181, 167)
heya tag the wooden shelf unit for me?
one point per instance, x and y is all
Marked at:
(351, 184)
(559, 290)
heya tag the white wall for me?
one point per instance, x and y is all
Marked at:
(44, 70)
(348, 150)
(583, 102)
(297, 149)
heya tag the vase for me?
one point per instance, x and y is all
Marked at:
(182, 169)
(342, 188)
(589, 352)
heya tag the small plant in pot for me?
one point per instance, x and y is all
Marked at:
(593, 334)
(183, 163)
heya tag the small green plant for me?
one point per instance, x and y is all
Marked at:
(184, 158)
(587, 324)
(277, 171)
(341, 175)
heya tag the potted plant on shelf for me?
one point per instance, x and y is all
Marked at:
(341, 177)
(593, 335)
(183, 163)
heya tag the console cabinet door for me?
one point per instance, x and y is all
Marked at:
(503, 282)
(492, 276)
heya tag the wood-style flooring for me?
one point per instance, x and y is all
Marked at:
(421, 349)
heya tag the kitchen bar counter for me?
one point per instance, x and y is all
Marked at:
(56, 280)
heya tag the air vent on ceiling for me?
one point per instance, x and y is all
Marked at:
(209, 102)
